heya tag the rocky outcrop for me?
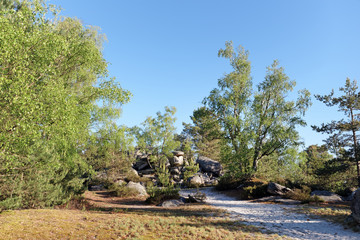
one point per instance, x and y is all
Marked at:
(355, 206)
(208, 175)
(277, 189)
(209, 166)
(196, 181)
(178, 159)
(327, 196)
(138, 188)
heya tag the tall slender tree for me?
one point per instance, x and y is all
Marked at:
(345, 131)
(255, 125)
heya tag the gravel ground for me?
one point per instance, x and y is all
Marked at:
(276, 218)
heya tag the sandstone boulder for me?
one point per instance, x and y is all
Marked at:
(327, 196)
(277, 189)
(177, 161)
(171, 203)
(196, 181)
(355, 206)
(138, 187)
(210, 166)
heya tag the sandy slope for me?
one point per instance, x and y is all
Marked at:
(274, 217)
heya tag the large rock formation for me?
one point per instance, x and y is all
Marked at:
(209, 166)
(355, 206)
(210, 170)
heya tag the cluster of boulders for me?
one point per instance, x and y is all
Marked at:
(210, 170)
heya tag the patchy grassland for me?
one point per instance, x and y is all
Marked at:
(335, 213)
(103, 220)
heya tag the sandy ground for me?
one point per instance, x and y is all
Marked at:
(276, 218)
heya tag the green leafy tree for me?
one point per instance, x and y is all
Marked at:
(255, 125)
(110, 148)
(52, 75)
(157, 139)
(230, 104)
(344, 133)
(275, 119)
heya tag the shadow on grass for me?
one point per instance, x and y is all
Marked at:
(199, 215)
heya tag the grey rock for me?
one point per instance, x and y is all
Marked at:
(176, 178)
(196, 181)
(177, 161)
(267, 199)
(197, 197)
(178, 153)
(140, 165)
(287, 201)
(171, 203)
(148, 171)
(183, 200)
(175, 170)
(277, 189)
(133, 171)
(327, 196)
(209, 165)
(97, 188)
(355, 206)
(120, 182)
(138, 187)
(102, 175)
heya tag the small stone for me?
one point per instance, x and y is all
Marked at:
(171, 203)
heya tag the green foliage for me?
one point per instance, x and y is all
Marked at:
(228, 182)
(159, 194)
(190, 170)
(109, 148)
(163, 175)
(303, 195)
(282, 167)
(52, 74)
(205, 133)
(255, 125)
(157, 138)
(245, 188)
(157, 134)
(344, 133)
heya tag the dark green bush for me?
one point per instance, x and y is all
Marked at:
(303, 195)
(228, 182)
(159, 194)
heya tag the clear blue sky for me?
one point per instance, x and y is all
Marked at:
(165, 52)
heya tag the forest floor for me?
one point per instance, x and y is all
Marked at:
(102, 216)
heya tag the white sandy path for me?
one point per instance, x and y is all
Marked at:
(275, 218)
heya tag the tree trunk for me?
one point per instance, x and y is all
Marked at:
(356, 154)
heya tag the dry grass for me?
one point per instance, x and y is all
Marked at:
(335, 213)
(109, 222)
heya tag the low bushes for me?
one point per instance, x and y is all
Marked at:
(246, 188)
(159, 194)
(303, 195)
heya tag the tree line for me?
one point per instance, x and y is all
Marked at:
(58, 106)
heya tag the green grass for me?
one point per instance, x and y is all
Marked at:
(188, 222)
